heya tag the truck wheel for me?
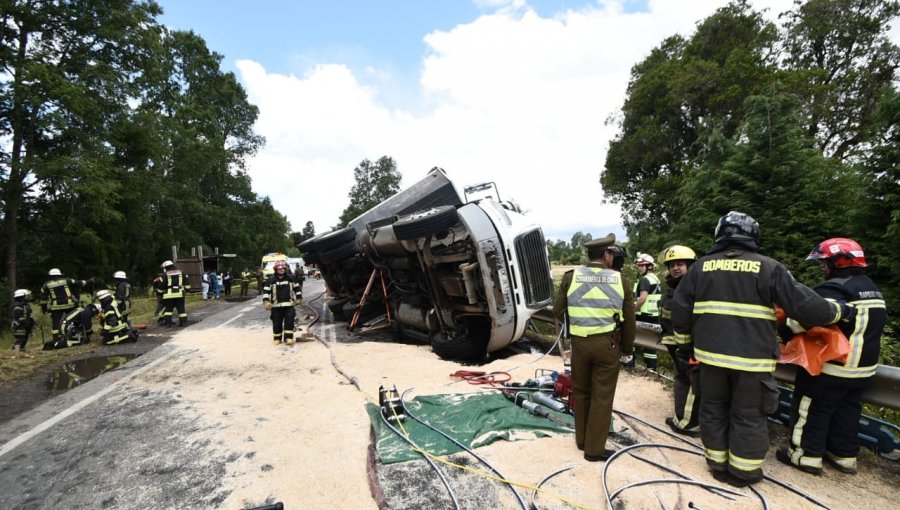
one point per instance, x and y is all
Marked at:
(336, 306)
(425, 223)
(338, 254)
(463, 348)
(328, 240)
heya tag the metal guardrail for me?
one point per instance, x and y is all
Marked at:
(885, 389)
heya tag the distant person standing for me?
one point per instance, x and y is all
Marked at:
(245, 282)
(22, 321)
(214, 284)
(723, 316)
(599, 304)
(173, 285)
(204, 284)
(226, 282)
(123, 294)
(647, 292)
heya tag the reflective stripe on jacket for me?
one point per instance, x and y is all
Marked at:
(864, 331)
(175, 284)
(57, 293)
(281, 291)
(595, 300)
(651, 304)
(724, 306)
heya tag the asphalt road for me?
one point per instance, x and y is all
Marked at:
(111, 444)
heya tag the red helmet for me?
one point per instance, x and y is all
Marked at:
(841, 251)
(280, 264)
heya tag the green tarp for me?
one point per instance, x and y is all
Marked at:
(473, 419)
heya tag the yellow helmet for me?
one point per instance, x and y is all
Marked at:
(678, 252)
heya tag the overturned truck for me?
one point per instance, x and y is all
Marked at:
(462, 275)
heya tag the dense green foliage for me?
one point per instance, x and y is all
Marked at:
(121, 139)
(795, 124)
(374, 183)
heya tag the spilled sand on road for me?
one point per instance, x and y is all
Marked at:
(291, 429)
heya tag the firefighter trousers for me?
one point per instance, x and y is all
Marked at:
(283, 323)
(687, 396)
(825, 414)
(733, 423)
(174, 304)
(595, 371)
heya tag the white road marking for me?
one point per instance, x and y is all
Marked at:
(248, 308)
(13, 443)
(229, 321)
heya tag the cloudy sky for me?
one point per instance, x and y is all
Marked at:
(512, 91)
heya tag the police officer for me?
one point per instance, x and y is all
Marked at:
(245, 282)
(619, 253)
(115, 330)
(280, 294)
(600, 307)
(647, 292)
(826, 408)
(22, 321)
(173, 285)
(723, 317)
(123, 294)
(687, 377)
(59, 295)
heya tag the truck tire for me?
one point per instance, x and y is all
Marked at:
(336, 306)
(338, 254)
(328, 241)
(462, 348)
(425, 223)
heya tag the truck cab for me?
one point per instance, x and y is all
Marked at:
(462, 275)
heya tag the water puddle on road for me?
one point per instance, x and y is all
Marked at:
(78, 372)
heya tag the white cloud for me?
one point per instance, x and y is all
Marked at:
(511, 97)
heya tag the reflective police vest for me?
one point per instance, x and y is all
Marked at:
(595, 300)
(651, 304)
(176, 284)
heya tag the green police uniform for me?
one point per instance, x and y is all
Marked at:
(599, 302)
(245, 282)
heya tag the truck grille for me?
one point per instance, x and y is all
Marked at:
(534, 267)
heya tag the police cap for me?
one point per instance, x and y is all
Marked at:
(595, 247)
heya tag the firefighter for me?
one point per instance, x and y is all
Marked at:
(600, 307)
(723, 316)
(826, 408)
(647, 292)
(619, 253)
(173, 285)
(59, 295)
(245, 282)
(78, 326)
(22, 321)
(114, 330)
(687, 377)
(123, 294)
(280, 294)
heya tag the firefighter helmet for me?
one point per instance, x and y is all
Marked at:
(167, 264)
(54, 272)
(103, 295)
(841, 251)
(280, 264)
(120, 274)
(678, 252)
(21, 293)
(737, 225)
(618, 250)
(643, 259)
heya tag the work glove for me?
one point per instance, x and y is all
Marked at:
(267, 305)
(683, 356)
(848, 312)
(626, 359)
(299, 301)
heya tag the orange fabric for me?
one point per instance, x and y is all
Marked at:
(816, 346)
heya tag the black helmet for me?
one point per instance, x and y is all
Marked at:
(737, 225)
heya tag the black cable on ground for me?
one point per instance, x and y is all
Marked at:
(672, 471)
(542, 482)
(426, 457)
(464, 447)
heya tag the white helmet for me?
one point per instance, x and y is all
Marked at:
(120, 274)
(167, 264)
(55, 272)
(643, 258)
(21, 293)
(102, 294)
